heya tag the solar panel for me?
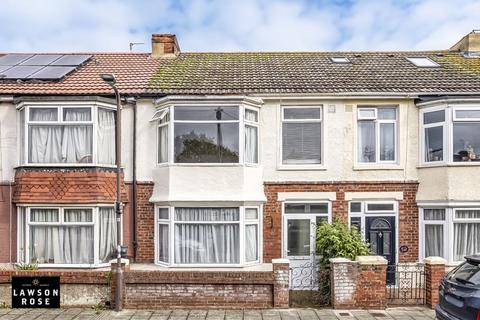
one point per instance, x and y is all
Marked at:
(40, 66)
(13, 59)
(71, 60)
(3, 68)
(20, 72)
(41, 60)
(51, 72)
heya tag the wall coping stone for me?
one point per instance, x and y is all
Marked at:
(339, 260)
(123, 261)
(435, 261)
(373, 260)
(280, 261)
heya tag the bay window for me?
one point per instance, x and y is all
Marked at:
(377, 134)
(207, 134)
(301, 135)
(451, 233)
(207, 235)
(451, 134)
(66, 236)
(67, 135)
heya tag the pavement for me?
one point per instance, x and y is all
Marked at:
(414, 313)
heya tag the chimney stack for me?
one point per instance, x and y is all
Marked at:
(469, 44)
(165, 45)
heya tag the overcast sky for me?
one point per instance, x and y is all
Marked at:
(235, 25)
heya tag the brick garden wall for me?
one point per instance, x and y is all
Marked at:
(408, 211)
(159, 289)
(78, 288)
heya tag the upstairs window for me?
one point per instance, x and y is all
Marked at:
(377, 134)
(451, 135)
(67, 135)
(207, 134)
(301, 135)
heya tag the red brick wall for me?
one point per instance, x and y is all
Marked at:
(7, 216)
(408, 211)
(145, 222)
(66, 276)
(63, 186)
(206, 289)
(370, 290)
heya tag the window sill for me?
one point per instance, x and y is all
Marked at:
(162, 165)
(162, 267)
(64, 165)
(451, 164)
(302, 167)
(377, 167)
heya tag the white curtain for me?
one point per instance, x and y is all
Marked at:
(251, 148)
(204, 242)
(60, 143)
(163, 144)
(434, 240)
(108, 234)
(251, 242)
(466, 235)
(77, 139)
(366, 141)
(61, 244)
(163, 243)
(106, 136)
(387, 141)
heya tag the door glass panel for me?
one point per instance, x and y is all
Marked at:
(373, 242)
(386, 243)
(298, 235)
(356, 222)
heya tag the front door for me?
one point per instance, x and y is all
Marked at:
(299, 246)
(380, 233)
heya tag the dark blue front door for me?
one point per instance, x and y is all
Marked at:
(380, 233)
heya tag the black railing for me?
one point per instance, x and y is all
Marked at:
(405, 284)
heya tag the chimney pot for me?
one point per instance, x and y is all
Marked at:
(165, 45)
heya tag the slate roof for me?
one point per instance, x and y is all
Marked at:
(132, 70)
(314, 73)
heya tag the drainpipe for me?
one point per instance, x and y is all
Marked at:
(134, 180)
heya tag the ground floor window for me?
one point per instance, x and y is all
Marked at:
(451, 233)
(207, 235)
(66, 236)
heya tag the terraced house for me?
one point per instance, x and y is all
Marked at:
(231, 159)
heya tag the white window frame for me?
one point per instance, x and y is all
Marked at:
(311, 216)
(60, 106)
(378, 123)
(252, 124)
(241, 222)
(161, 112)
(25, 211)
(321, 120)
(448, 228)
(450, 119)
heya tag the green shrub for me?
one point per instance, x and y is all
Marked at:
(338, 240)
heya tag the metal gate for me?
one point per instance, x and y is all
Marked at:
(405, 284)
(309, 284)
